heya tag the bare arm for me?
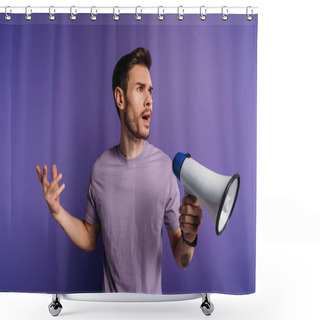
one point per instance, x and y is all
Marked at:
(190, 221)
(182, 253)
(81, 233)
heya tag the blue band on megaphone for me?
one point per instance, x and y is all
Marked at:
(178, 162)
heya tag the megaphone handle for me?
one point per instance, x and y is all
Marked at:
(185, 194)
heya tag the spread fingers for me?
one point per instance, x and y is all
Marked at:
(54, 182)
(58, 191)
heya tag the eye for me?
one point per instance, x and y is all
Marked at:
(139, 88)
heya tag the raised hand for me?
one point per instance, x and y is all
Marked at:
(51, 191)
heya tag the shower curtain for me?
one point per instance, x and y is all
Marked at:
(57, 107)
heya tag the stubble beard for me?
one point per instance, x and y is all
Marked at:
(136, 132)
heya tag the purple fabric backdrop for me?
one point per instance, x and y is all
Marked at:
(57, 107)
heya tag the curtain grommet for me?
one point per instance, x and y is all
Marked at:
(28, 13)
(73, 14)
(180, 16)
(203, 16)
(160, 16)
(116, 16)
(6, 10)
(249, 17)
(224, 13)
(93, 16)
(52, 11)
(138, 16)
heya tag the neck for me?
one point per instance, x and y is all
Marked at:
(130, 147)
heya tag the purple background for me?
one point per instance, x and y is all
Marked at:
(56, 107)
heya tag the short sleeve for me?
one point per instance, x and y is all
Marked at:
(91, 214)
(171, 215)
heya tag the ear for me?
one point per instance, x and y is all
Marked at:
(119, 98)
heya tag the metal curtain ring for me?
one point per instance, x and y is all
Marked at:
(138, 17)
(116, 17)
(28, 13)
(203, 16)
(248, 16)
(160, 16)
(73, 15)
(224, 13)
(7, 17)
(52, 11)
(180, 15)
(93, 16)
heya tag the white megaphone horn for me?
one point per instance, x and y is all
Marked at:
(217, 193)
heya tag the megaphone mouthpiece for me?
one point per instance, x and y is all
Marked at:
(178, 162)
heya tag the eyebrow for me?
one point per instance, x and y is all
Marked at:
(143, 85)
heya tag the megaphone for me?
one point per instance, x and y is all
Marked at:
(217, 193)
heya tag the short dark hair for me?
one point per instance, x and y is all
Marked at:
(124, 65)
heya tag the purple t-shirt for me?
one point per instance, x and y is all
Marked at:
(131, 198)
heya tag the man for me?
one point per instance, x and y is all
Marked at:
(132, 191)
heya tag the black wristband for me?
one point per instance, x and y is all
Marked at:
(191, 244)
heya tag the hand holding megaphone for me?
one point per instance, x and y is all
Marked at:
(190, 217)
(216, 192)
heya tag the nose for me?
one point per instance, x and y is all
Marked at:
(148, 101)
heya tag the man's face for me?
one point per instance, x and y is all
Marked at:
(138, 102)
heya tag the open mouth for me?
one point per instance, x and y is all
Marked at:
(146, 118)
